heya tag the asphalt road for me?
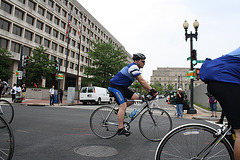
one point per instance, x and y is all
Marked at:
(57, 133)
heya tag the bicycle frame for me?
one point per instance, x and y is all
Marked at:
(221, 133)
(135, 116)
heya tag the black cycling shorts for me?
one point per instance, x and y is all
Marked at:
(228, 96)
(120, 93)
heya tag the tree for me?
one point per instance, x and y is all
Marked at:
(5, 63)
(40, 66)
(158, 87)
(107, 61)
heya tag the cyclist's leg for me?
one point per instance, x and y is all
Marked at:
(237, 144)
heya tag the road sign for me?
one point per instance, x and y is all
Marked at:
(60, 76)
(20, 73)
(200, 61)
(191, 74)
(17, 73)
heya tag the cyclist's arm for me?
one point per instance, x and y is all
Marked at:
(144, 83)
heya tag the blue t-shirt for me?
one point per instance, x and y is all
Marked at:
(126, 76)
(222, 69)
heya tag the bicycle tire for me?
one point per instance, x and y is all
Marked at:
(6, 140)
(186, 141)
(6, 109)
(98, 125)
(155, 131)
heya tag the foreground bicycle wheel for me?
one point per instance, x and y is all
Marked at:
(187, 141)
(6, 140)
(6, 109)
(104, 122)
(155, 124)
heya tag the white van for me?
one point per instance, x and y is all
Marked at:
(95, 94)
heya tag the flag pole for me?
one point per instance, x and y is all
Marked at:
(67, 36)
(79, 34)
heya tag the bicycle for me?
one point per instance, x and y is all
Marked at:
(6, 140)
(195, 142)
(154, 123)
(6, 109)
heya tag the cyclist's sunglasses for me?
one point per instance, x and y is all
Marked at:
(143, 61)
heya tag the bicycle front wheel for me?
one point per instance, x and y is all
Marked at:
(6, 109)
(6, 140)
(104, 122)
(155, 123)
(188, 141)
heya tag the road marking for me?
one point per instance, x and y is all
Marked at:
(22, 131)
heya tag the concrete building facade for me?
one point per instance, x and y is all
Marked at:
(173, 76)
(32, 23)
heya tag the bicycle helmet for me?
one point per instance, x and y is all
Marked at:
(138, 56)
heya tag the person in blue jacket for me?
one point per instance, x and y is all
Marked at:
(223, 78)
(119, 87)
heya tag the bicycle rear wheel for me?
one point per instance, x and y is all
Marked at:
(155, 123)
(6, 140)
(104, 122)
(6, 109)
(187, 141)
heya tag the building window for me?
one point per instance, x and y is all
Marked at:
(65, 2)
(77, 56)
(6, 7)
(27, 50)
(73, 43)
(49, 16)
(64, 13)
(60, 49)
(76, 67)
(30, 19)
(38, 39)
(19, 14)
(71, 6)
(54, 46)
(76, 11)
(15, 47)
(3, 43)
(46, 43)
(28, 35)
(39, 25)
(74, 32)
(57, 8)
(72, 54)
(71, 65)
(56, 20)
(55, 33)
(41, 10)
(63, 24)
(31, 4)
(23, 1)
(50, 3)
(47, 29)
(61, 36)
(17, 30)
(4, 24)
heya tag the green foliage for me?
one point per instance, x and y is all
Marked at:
(136, 86)
(107, 61)
(39, 66)
(158, 87)
(5, 63)
(169, 89)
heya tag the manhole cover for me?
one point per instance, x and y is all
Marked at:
(96, 151)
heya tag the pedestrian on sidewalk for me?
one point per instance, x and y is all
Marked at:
(24, 88)
(213, 105)
(51, 92)
(179, 103)
(13, 92)
(60, 95)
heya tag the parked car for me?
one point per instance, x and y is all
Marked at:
(94, 95)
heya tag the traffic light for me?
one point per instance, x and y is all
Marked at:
(25, 61)
(56, 65)
(197, 73)
(194, 57)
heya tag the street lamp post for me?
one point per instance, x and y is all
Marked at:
(191, 36)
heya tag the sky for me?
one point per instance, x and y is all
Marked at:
(155, 28)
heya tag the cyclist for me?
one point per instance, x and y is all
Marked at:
(223, 78)
(119, 87)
